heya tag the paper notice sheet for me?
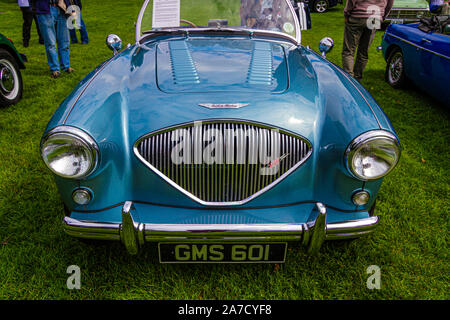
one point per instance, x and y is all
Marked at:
(166, 13)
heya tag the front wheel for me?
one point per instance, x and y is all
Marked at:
(320, 6)
(395, 69)
(11, 85)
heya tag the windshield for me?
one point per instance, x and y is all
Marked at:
(275, 16)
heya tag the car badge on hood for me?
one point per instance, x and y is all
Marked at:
(276, 161)
(223, 105)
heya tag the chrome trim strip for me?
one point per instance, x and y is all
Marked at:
(223, 232)
(249, 33)
(417, 46)
(223, 228)
(298, 31)
(137, 31)
(226, 121)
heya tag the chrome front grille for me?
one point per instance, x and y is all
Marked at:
(222, 162)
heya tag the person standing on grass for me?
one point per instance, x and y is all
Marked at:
(53, 25)
(28, 16)
(362, 18)
(82, 27)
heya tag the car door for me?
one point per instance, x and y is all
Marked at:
(435, 64)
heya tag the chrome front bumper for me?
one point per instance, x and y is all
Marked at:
(133, 235)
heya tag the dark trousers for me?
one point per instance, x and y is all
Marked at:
(357, 39)
(28, 17)
(83, 33)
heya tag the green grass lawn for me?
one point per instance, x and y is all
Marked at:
(410, 244)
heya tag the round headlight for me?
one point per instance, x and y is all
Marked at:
(373, 155)
(69, 152)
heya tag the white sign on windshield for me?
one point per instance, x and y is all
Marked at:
(166, 14)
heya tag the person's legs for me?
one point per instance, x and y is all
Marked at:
(362, 57)
(27, 15)
(41, 39)
(352, 35)
(73, 25)
(83, 31)
(73, 35)
(62, 36)
(47, 28)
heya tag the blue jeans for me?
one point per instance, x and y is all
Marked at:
(54, 30)
(83, 33)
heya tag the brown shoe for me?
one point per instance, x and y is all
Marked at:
(55, 74)
(69, 70)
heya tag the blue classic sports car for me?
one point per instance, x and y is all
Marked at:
(219, 137)
(420, 52)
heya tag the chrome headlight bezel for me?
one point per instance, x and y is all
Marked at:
(83, 139)
(364, 139)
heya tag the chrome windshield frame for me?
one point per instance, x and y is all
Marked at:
(139, 35)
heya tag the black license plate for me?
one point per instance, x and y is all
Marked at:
(222, 252)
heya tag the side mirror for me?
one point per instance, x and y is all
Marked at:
(114, 43)
(325, 45)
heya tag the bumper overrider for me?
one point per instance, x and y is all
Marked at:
(134, 235)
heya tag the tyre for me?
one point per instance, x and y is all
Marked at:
(395, 69)
(11, 85)
(320, 6)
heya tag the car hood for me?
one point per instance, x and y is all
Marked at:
(145, 88)
(416, 4)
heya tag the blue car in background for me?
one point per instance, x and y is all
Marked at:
(220, 138)
(420, 52)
